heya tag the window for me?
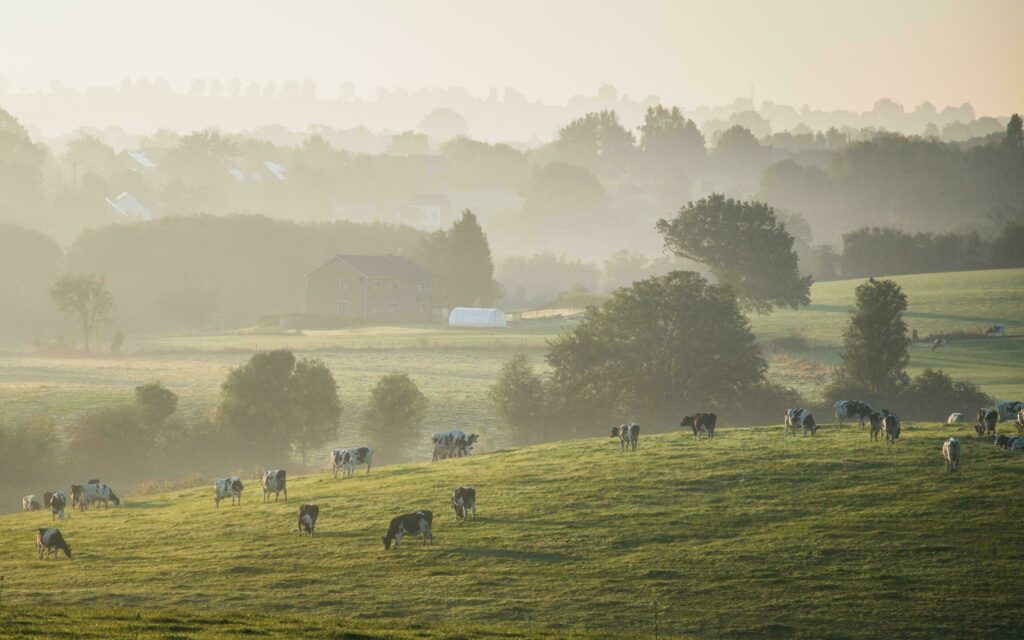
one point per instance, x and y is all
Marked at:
(424, 287)
(343, 286)
(393, 310)
(342, 307)
(396, 286)
(376, 286)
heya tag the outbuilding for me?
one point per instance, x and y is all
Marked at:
(477, 317)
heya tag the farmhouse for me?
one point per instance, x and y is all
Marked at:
(369, 288)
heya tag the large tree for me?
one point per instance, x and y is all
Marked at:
(395, 411)
(316, 408)
(85, 297)
(744, 245)
(876, 348)
(520, 397)
(595, 141)
(663, 346)
(669, 140)
(460, 261)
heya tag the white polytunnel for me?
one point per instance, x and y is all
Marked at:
(475, 317)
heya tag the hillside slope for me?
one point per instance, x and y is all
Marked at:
(752, 535)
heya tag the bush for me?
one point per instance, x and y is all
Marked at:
(789, 343)
(110, 440)
(27, 452)
(396, 410)
(520, 397)
(763, 403)
(933, 395)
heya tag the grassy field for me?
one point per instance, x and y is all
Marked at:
(753, 535)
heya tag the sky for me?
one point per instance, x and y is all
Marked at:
(827, 54)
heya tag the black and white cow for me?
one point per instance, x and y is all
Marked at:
(703, 424)
(846, 409)
(891, 427)
(876, 420)
(996, 330)
(274, 482)
(1009, 409)
(50, 540)
(951, 454)
(987, 419)
(1020, 422)
(800, 418)
(348, 459)
(308, 514)
(410, 524)
(228, 487)
(955, 419)
(453, 444)
(464, 501)
(1006, 442)
(94, 492)
(57, 503)
(77, 497)
(30, 503)
(628, 435)
(940, 343)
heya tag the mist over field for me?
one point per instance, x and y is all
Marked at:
(390, 250)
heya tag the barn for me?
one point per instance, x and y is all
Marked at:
(476, 317)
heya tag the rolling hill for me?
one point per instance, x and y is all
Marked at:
(751, 535)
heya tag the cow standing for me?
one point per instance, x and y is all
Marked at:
(51, 540)
(801, 418)
(464, 501)
(57, 503)
(348, 459)
(875, 419)
(846, 409)
(1009, 409)
(703, 424)
(93, 492)
(77, 497)
(228, 487)
(940, 343)
(308, 514)
(951, 454)
(891, 427)
(274, 482)
(453, 444)
(987, 419)
(409, 524)
(30, 503)
(628, 435)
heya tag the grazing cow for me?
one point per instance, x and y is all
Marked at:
(274, 482)
(1020, 421)
(50, 540)
(996, 330)
(846, 409)
(951, 453)
(628, 435)
(93, 492)
(412, 524)
(955, 419)
(891, 427)
(348, 459)
(453, 444)
(987, 419)
(800, 418)
(30, 503)
(464, 501)
(1009, 409)
(308, 513)
(57, 503)
(228, 487)
(1017, 445)
(702, 424)
(940, 342)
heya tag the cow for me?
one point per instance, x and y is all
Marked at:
(996, 330)
(1020, 421)
(800, 418)
(702, 424)
(46, 498)
(95, 492)
(845, 409)
(955, 419)
(308, 514)
(940, 342)
(986, 425)
(57, 503)
(30, 503)
(50, 540)
(274, 482)
(228, 487)
(628, 435)
(77, 497)
(951, 454)
(1009, 409)
(876, 419)
(453, 444)
(412, 524)
(1004, 441)
(348, 459)
(464, 501)
(891, 427)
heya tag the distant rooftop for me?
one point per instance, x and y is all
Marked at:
(382, 266)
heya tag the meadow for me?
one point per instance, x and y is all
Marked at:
(754, 534)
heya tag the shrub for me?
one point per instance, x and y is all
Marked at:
(520, 397)
(933, 395)
(396, 410)
(763, 403)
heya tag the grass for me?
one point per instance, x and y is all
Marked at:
(753, 535)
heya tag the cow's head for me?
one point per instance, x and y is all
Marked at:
(617, 431)
(387, 541)
(236, 484)
(115, 499)
(688, 421)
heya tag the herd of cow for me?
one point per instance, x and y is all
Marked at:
(447, 444)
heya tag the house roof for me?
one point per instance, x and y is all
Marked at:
(128, 206)
(381, 266)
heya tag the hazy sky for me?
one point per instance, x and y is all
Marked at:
(828, 54)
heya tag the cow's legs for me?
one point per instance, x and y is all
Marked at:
(398, 540)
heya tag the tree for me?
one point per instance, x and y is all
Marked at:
(744, 246)
(111, 440)
(396, 410)
(85, 297)
(1015, 132)
(443, 124)
(670, 140)
(663, 346)
(595, 141)
(409, 143)
(561, 193)
(521, 400)
(876, 348)
(155, 404)
(316, 407)
(21, 173)
(623, 268)
(460, 261)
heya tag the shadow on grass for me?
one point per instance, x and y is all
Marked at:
(512, 554)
